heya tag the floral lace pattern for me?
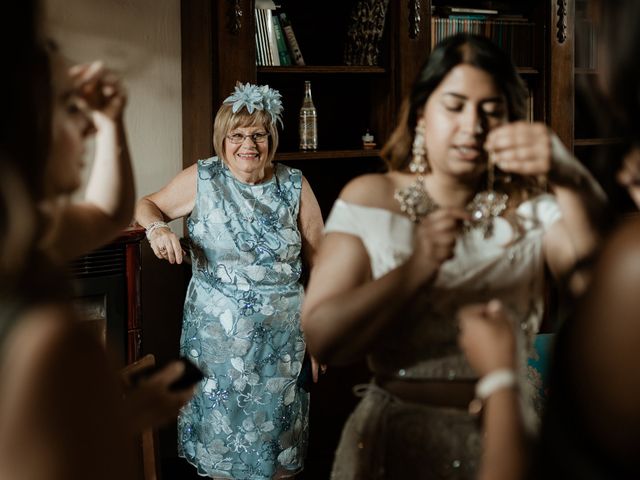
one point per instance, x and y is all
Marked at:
(248, 418)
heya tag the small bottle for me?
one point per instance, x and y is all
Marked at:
(308, 121)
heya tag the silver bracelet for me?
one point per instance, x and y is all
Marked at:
(153, 226)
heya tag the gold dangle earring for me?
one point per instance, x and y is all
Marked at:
(419, 163)
(414, 199)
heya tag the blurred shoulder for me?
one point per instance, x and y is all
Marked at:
(372, 190)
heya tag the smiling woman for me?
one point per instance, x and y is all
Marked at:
(252, 225)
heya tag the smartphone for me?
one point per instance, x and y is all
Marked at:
(305, 378)
(191, 375)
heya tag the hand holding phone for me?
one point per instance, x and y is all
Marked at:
(154, 394)
(190, 376)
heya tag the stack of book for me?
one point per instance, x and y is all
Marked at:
(276, 43)
(512, 32)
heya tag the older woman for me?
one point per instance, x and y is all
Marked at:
(251, 224)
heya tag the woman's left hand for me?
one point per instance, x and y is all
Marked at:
(522, 148)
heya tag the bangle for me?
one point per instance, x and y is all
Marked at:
(153, 226)
(490, 384)
(494, 381)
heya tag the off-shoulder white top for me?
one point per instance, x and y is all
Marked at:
(509, 266)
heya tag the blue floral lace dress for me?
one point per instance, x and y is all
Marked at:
(248, 418)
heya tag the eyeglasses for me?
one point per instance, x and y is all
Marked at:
(238, 138)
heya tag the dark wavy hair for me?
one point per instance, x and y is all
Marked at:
(26, 86)
(25, 127)
(474, 50)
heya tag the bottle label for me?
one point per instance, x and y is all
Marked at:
(308, 130)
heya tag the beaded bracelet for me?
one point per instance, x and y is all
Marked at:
(153, 226)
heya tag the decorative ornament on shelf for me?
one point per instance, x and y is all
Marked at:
(365, 32)
(234, 16)
(368, 141)
(256, 97)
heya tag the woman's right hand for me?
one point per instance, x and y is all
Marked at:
(166, 245)
(101, 89)
(435, 238)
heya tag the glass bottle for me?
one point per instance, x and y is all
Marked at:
(308, 121)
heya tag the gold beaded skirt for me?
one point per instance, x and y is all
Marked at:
(388, 438)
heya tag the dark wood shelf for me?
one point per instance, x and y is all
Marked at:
(591, 142)
(527, 71)
(586, 71)
(323, 69)
(327, 154)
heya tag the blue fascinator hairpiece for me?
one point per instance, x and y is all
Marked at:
(256, 97)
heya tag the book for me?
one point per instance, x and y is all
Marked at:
(513, 33)
(477, 11)
(530, 107)
(261, 53)
(266, 43)
(290, 37)
(271, 36)
(263, 49)
(283, 51)
(467, 17)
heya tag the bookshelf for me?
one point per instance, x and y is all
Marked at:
(219, 48)
(575, 69)
(518, 27)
